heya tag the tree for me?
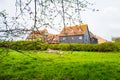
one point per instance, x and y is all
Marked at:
(116, 39)
(31, 15)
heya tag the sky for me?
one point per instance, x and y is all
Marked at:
(104, 23)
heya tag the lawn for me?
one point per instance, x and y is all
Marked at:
(39, 65)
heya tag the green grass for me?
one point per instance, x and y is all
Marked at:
(38, 65)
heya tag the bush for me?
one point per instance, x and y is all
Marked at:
(5, 44)
(83, 47)
(54, 46)
(36, 45)
(77, 47)
(24, 45)
(118, 45)
(105, 47)
(108, 47)
(65, 47)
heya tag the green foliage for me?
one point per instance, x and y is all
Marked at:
(117, 39)
(64, 47)
(5, 44)
(77, 47)
(105, 47)
(108, 47)
(76, 66)
(37, 45)
(24, 45)
(84, 47)
(54, 46)
(118, 45)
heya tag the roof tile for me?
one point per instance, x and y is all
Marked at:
(74, 30)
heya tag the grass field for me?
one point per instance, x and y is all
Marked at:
(38, 65)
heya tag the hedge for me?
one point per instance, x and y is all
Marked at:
(24, 45)
(36, 45)
(104, 47)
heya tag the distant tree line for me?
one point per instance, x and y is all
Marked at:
(116, 39)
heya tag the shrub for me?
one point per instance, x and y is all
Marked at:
(5, 44)
(36, 45)
(54, 46)
(84, 47)
(65, 47)
(91, 47)
(118, 45)
(77, 47)
(108, 47)
(24, 45)
(104, 47)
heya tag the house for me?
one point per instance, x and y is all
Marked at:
(75, 34)
(71, 34)
(101, 40)
(39, 34)
(53, 39)
(44, 36)
(93, 38)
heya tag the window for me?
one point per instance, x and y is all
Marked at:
(80, 37)
(64, 38)
(72, 38)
